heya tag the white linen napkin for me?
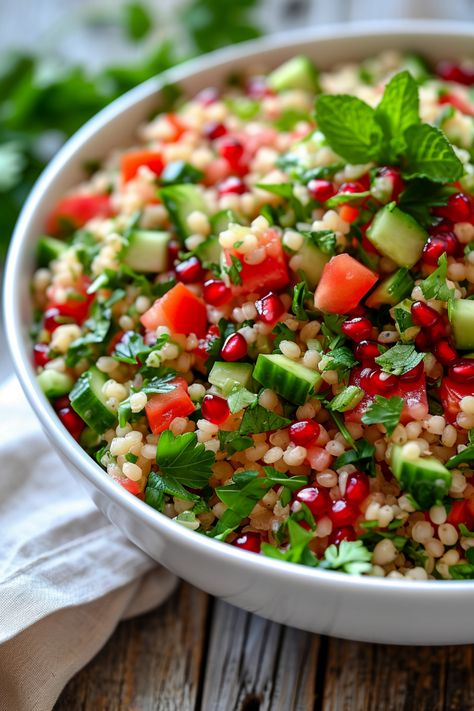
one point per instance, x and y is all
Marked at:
(67, 576)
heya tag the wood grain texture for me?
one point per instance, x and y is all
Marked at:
(254, 664)
(151, 663)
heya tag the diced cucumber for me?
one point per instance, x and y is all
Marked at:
(297, 73)
(313, 261)
(396, 235)
(426, 479)
(53, 383)
(226, 376)
(89, 402)
(221, 221)
(209, 251)
(401, 314)
(178, 172)
(291, 380)
(148, 251)
(49, 248)
(181, 201)
(461, 317)
(392, 290)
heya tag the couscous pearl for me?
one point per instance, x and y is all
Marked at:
(268, 399)
(447, 534)
(436, 424)
(465, 421)
(290, 349)
(384, 552)
(196, 391)
(458, 483)
(416, 574)
(294, 456)
(324, 527)
(327, 478)
(138, 401)
(198, 222)
(132, 471)
(422, 531)
(438, 514)
(149, 451)
(434, 547)
(293, 240)
(272, 455)
(467, 404)
(449, 436)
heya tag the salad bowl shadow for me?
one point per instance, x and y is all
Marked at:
(360, 608)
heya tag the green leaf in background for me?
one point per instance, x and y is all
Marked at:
(430, 155)
(137, 21)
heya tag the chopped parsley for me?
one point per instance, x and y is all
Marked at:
(184, 459)
(233, 270)
(434, 286)
(384, 411)
(258, 419)
(399, 359)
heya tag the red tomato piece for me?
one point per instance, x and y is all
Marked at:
(78, 302)
(344, 282)
(451, 393)
(73, 211)
(132, 161)
(162, 408)
(271, 274)
(180, 310)
(134, 487)
(412, 392)
(458, 102)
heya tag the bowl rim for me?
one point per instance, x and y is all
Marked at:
(64, 442)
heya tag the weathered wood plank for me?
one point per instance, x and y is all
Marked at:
(368, 677)
(254, 664)
(151, 663)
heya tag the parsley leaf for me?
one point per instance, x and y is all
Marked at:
(240, 497)
(258, 419)
(239, 398)
(434, 286)
(299, 538)
(233, 441)
(466, 456)
(399, 359)
(98, 327)
(349, 126)
(282, 333)
(233, 270)
(421, 195)
(184, 459)
(137, 20)
(350, 557)
(346, 198)
(346, 399)
(429, 154)
(384, 411)
(300, 294)
(325, 240)
(340, 359)
(131, 348)
(362, 456)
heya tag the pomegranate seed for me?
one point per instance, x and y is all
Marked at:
(451, 71)
(257, 88)
(398, 185)
(208, 96)
(232, 150)
(458, 208)
(234, 348)
(270, 307)
(248, 542)
(40, 354)
(216, 292)
(462, 370)
(441, 226)
(232, 186)
(376, 382)
(71, 421)
(214, 130)
(352, 187)
(315, 498)
(357, 329)
(215, 409)
(204, 344)
(321, 190)
(303, 432)
(357, 487)
(342, 513)
(437, 332)
(423, 315)
(438, 244)
(422, 342)
(189, 271)
(61, 402)
(366, 352)
(413, 374)
(445, 352)
(358, 310)
(345, 533)
(50, 322)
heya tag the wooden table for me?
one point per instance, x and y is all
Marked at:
(197, 653)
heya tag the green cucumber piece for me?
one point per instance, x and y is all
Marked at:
(209, 251)
(401, 314)
(221, 221)
(297, 73)
(396, 235)
(53, 383)
(392, 290)
(178, 172)
(426, 479)
(89, 402)
(148, 251)
(314, 261)
(461, 317)
(181, 201)
(291, 380)
(226, 376)
(49, 248)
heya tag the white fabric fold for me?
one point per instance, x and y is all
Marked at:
(67, 576)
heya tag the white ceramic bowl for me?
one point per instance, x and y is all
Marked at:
(369, 609)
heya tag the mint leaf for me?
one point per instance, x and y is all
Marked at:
(434, 286)
(399, 106)
(185, 460)
(349, 127)
(429, 155)
(239, 398)
(258, 419)
(399, 359)
(384, 411)
(347, 399)
(421, 195)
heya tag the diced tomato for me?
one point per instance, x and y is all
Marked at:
(132, 161)
(344, 282)
(180, 310)
(348, 213)
(451, 394)
(270, 275)
(74, 211)
(162, 408)
(460, 513)
(134, 487)
(216, 171)
(204, 344)
(177, 125)
(412, 392)
(77, 303)
(458, 102)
